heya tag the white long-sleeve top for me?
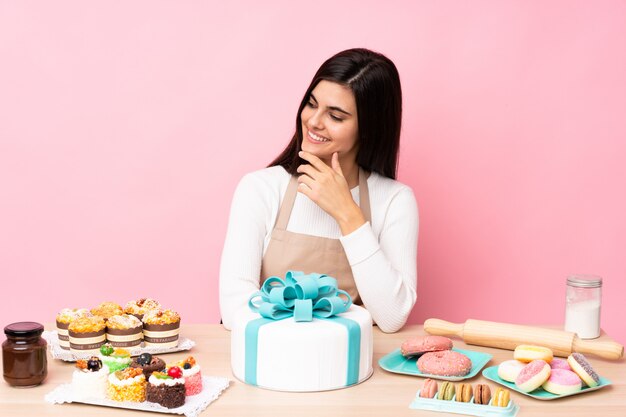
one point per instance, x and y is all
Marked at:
(382, 254)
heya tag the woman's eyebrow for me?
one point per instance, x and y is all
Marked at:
(339, 109)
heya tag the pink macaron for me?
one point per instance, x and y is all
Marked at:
(429, 389)
(444, 363)
(558, 363)
(533, 375)
(562, 382)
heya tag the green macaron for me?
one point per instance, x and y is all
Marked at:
(446, 391)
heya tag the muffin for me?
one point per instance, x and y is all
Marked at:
(115, 358)
(63, 320)
(89, 380)
(124, 331)
(192, 375)
(161, 328)
(140, 307)
(148, 364)
(107, 309)
(127, 385)
(86, 335)
(167, 389)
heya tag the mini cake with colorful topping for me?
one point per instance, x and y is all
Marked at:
(64, 319)
(86, 335)
(140, 307)
(148, 364)
(124, 331)
(89, 380)
(192, 375)
(161, 328)
(127, 385)
(167, 388)
(107, 309)
(115, 358)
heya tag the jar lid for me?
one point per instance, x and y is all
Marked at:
(584, 281)
(24, 329)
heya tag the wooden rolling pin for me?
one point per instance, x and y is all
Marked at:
(508, 336)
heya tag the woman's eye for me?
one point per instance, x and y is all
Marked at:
(338, 119)
(310, 104)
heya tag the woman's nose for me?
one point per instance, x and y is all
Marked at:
(315, 120)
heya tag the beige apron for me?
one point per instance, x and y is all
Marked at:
(299, 252)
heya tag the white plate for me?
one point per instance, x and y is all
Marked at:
(212, 387)
(58, 352)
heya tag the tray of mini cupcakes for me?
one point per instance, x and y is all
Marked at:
(142, 326)
(112, 378)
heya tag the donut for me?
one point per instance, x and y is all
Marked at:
(464, 393)
(562, 381)
(533, 375)
(509, 370)
(444, 363)
(529, 353)
(429, 389)
(558, 363)
(446, 392)
(482, 394)
(583, 369)
(421, 344)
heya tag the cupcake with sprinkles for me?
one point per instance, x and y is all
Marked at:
(115, 358)
(167, 388)
(124, 331)
(127, 385)
(161, 328)
(63, 321)
(107, 309)
(89, 380)
(141, 306)
(86, 335)
(192, 375)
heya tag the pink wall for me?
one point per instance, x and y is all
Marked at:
(124, 128)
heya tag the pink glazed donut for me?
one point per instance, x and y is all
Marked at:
(444, 363)
(558, 363)
(562, 382)
(533, 375)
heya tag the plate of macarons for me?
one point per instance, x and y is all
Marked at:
(434, 357)
(535, 372)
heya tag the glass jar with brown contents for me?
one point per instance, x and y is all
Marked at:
(24, 354)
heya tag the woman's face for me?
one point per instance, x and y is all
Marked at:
(329, 122)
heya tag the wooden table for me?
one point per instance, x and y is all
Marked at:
(384, 394)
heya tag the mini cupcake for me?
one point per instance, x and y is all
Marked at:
(124, 331)
(167, 389)
(64, 318)
(148, 364)
(161, 328)
(107, 309)
(192, 375)
(89, 380)
(127, 385)
(140, 307)
(116, 359)
(86, 335)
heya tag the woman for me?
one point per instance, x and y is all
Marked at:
(301, 213)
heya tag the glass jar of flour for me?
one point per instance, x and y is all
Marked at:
(582, 305)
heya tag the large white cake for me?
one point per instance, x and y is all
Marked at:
(303, 356)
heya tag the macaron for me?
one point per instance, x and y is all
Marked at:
(562, 382)
(533, 375)
(482, 394)
(419, 345)
(429, 389)
(583, 369)
(529, 353)
(501, 397)
(444, 363)
(558, 363)
(464, 393)
(509, 370)
(446, 392)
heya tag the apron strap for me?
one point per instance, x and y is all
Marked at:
(284, 212)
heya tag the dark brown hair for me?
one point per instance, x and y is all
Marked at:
(375, 83)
